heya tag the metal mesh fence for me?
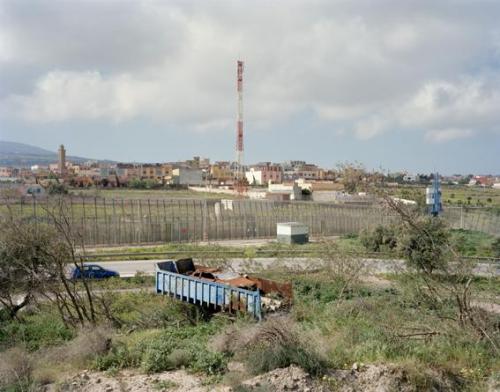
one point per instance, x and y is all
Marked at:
(124, 221)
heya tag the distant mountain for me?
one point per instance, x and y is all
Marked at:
(24, 155)
(12, 148)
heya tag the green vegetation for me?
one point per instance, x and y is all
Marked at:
(55, 188)
(170, 348)
(38, 329)
(142, 184)
(475, 243)
(349, 243)
(435, 325)
(328, 327)
(452, 195)
(384, 239)
(380, 239)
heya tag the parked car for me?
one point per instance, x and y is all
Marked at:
(93, 271)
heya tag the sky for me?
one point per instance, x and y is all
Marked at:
(394, 85)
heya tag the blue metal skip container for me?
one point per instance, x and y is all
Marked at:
(214, 295)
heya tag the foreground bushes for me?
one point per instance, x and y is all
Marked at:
(380, 239)
(167, 349)
(276, 343)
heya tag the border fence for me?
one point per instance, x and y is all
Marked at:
(104, 221)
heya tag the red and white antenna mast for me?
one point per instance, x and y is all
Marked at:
(239, 129)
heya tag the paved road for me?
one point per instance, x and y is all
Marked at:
(128, 268)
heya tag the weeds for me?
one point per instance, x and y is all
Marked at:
(16, 371)
(166, 349)
(275, 343)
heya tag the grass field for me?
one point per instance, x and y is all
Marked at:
(144, 194)
(467, 243)
(328, 327)
(453, 195)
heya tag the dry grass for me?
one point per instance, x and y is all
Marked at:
(16, 368)
(52, 364)
(274, 343)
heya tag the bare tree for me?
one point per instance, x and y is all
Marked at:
(35, 262)
(447, 277)
(356, 178)
(341, 267)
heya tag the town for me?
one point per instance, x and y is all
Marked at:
(290, 180)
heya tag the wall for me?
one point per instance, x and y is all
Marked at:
(184, 176)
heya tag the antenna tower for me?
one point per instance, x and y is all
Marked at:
(239, 127)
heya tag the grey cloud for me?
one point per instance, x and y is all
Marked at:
(362, 64)
(81, 35)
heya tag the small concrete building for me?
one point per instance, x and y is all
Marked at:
(186, 176)
(292, 233)
(293, 190)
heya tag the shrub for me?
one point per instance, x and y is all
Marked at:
(36, 330)
(275, 343)
(119, 357)
(16, 370)
(156, 357)
(56, 188)
(379, 239)
(180, 358)
(173, 350)
(264, 358)
(167, 349)
(349, 236)
(425, 244)
(209, 362)
(495, 247)
(89, 343)
(137, 183)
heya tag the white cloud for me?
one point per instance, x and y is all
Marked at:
(367, 69)
(469, 103)
(446, 135)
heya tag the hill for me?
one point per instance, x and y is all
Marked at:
(25, 155)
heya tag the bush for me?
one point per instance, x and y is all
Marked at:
(382, 238)
(16, 370)
(142, 184)
(425, 245)
(168, 349)
(495, 247)
(264, 358)
(40, 329)
(89, 343)
(209, 362)
(56, 188)
(119, 357)
(156, 357)
(275, 343)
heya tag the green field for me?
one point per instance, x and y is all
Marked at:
(453, 195)
(466, 242)
(144, 194)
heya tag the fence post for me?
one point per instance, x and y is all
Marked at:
(204, 221)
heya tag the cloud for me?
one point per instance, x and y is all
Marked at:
(446, 135)
(366, 69)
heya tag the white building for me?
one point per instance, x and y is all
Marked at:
(295, 191)
(186, 176)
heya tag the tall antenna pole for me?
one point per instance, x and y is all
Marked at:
(239, 129)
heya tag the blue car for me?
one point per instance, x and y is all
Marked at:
(93, 271)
